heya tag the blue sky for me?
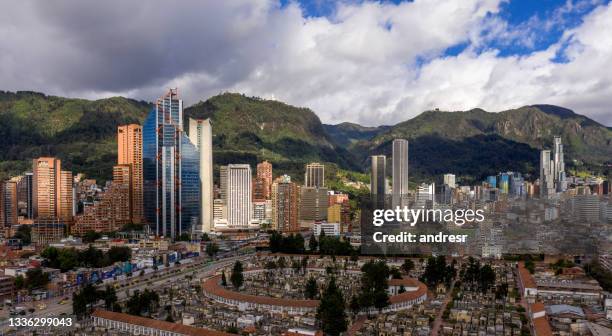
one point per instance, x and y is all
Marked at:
(369, 62)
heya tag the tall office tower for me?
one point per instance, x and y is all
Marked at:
(223, 183)
(377, 176)
(171, 165)
(400, 172)
(313, 203)
(285, 202)
(449, 180)
(129, 140)
(239, 203)
(200, 133)
(315, 175)
(559, 165)
(24, 196)
(53, 195)
(547, 174)
(264, 172)
(503, 182)
(8, 198)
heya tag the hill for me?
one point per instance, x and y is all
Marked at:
(346, 134)
(80, 132)
(476, 143)
(249, 130)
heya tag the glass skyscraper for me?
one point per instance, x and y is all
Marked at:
(171, 170)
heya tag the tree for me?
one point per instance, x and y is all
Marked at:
(83, 301)
(401, 290)
(223, 279)
(212, 249)
(91, 236)
(354, 305)
(395, 273)
(183, 237)
(281, 262)
(119, 253)
(313, 244)
(237, 278)
(311, 290)
(110, 297)
(36, 278)
(24, 232)
(407, 266)
(374, 283)
(19, 282)
(331, 311)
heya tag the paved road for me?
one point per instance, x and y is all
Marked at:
(435, 329)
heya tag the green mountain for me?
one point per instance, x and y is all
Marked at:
(346, 134)
(472, 144)
(249, 130)
(476, 143)
(80, 132)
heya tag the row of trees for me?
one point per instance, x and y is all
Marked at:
(480, 276)
(35, 278)
(84, 301)
(68, 259)
(438, 271)
(290, 244)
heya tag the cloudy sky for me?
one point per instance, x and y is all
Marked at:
(367, 62)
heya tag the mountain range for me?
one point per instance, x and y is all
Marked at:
(471, 143)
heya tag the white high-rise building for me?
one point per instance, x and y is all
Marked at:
(315, 175)
(200, 134)
(377, 175)
(239, 204)
(449, 180)
(400, 173)
(547, 174)
(559, 165)
(425, 196)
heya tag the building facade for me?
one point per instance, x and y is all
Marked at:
(239, 204)
(170, 170)
(129, 152)
(400, 172)
(200, 134)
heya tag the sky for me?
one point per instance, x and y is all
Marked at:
(368, 62)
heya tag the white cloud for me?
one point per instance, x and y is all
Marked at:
(371, 63)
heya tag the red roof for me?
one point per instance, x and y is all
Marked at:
(526, 277)
(542, 327)
(537, 307)
(156, 324)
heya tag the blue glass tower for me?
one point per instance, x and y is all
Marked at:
(170, 167)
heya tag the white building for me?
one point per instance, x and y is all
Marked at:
(330, 229)
(449, 180)
(239, 195)
(200, 134)
(400, 173)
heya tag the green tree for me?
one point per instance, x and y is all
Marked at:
(354, 305)
(407, 266)
(237, 278)
(24, 232)
(36, 278)
(313, 244)
(119, 253)
(212, 249)
(331, 311)
(223, 279)
(110, 297)
(19, 282)
(311, 290)
(184, 237)
(91, 236)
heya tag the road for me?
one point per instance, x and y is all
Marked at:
(198, 269)
(435, 329)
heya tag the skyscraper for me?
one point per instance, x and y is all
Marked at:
(285, 205)
(547, 174)
(171, 170)
(264, 172)
(239, 204)
(377, 175)
(400, 173)
(8, 198)
(200, 133)
(313, 203)
(129, 143)
(315, 175)
(25, 192)
(53, 191)
(559, 165)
